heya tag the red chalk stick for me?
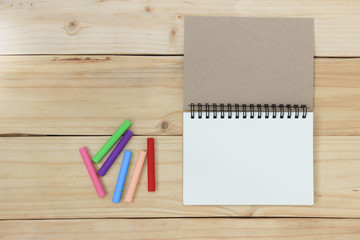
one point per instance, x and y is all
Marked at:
(151, 164)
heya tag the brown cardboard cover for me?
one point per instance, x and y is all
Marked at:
(248, 60)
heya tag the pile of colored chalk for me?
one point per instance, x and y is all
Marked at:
(124, 135)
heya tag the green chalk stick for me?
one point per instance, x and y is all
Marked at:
(112, 140)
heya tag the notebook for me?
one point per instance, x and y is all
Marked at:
(248, 111)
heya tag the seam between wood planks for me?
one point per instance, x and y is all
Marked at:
(146, 218)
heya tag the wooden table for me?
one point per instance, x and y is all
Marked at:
(71, 71)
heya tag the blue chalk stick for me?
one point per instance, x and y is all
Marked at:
(122, 176)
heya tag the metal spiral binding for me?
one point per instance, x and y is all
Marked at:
(259, 110)
(222, 111)
(237, 110)
(215, 110)
(229, 111)
(252, 110)
(281, 110)
(200, 110)
(207, 110)
(304, 111)
(246, 110)
(267, 111)
(273, 106)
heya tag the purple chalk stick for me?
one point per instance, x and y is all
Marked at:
(115, 153)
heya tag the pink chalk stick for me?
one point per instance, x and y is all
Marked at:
(135, 177)
(93, 175)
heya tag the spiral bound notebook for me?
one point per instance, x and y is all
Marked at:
(248, 111)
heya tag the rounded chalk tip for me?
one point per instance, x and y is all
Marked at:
(82, 149)
(128, 132)
(102, 194)
(126, 123)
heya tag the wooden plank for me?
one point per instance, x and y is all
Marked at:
(90, 95)
(156, 27)
(82, 95)
(337, 97)
(44, 177)
(270, 229)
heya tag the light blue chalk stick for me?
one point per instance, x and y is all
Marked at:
(122, 176)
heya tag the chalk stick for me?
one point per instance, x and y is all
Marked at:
(91, 170)
(151, 164)
(115, 153)
(135, 177)
(111, 141)
(122, 176)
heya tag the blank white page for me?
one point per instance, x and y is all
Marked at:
(248, 161)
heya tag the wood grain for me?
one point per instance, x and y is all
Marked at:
(337, 97)
(156, 27)
(269, 229)
(44, 177)
(80, 95)
(92, 95)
